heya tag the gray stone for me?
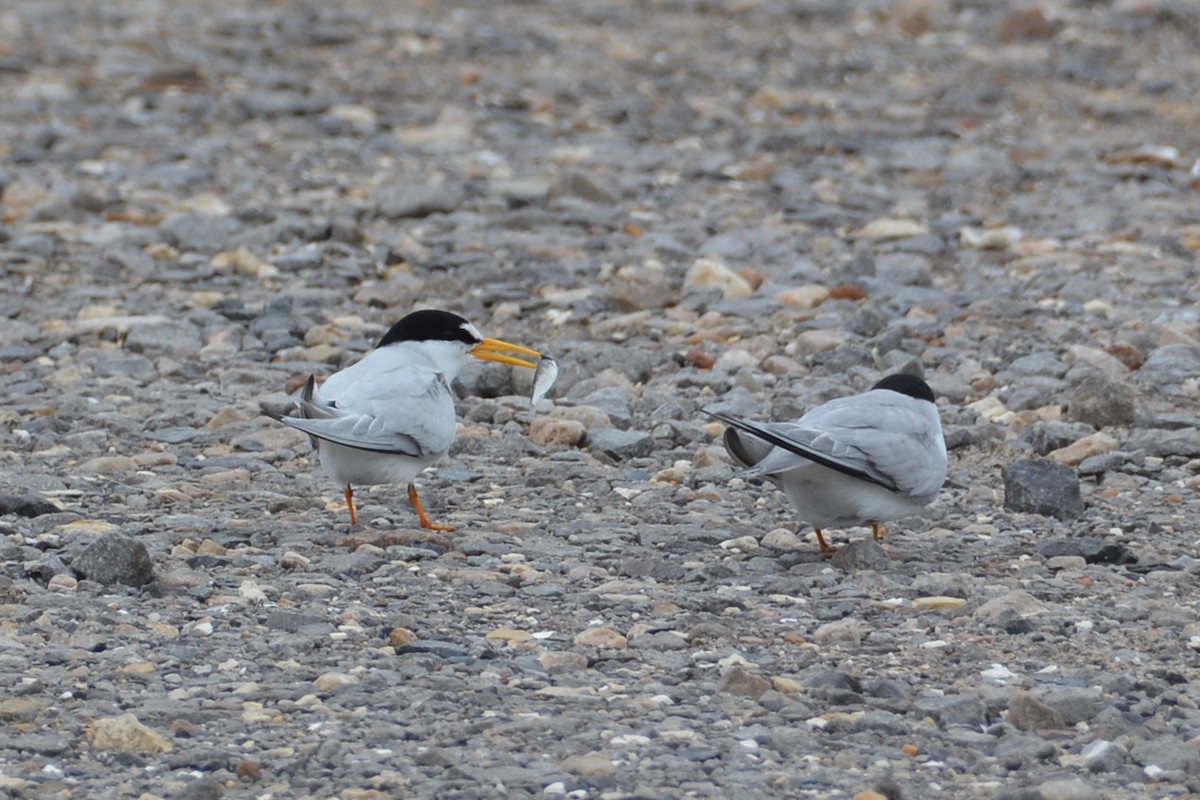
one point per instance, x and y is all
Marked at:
(208, 788)
(1016, 751)
(1040, 486)
(404, 201)
(1101, 402)
(1168, 753)
(294, 622)
(202, 233)
(861, 554)
(621, 444)
(954, 709)
(1104, 756)
(115, 558)
(1170, 365)
(1154, 442)
(613, 401)
(586, 186)
(351, 564)
(1069, 789)
(1073, 703)
(165, 338)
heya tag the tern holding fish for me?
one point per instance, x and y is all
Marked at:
(857, 460)
(390, 415)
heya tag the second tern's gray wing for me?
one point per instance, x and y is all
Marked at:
(793, 447)
(881, 437)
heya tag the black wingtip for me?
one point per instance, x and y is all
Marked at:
(270, 412)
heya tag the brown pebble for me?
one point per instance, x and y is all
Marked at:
(699, 359)
(250, 771)
(1024, 23)
(847, 292)
(1127, 354)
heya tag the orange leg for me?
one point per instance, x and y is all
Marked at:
(824, 545)
(425, 523)
(878, 531)
(350, 505)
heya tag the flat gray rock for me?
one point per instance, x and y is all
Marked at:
(1040, 486)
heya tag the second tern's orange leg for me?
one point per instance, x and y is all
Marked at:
(878, 531)
(824, 545)
(350, 505)
(425, 523)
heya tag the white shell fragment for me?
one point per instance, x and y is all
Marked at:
(543, 379)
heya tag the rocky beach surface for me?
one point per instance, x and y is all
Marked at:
(751, 206)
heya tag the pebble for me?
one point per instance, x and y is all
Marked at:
(711, 272)
(1067, 789)
(621, 444)
(550, 431)
(603, 637)
(861, 554)
(743, 683)
(1027, 713)
(803, 297)
(333, 681)
(589, 765)
(938, 603)
(782, 539)
(126, 734)
(1088, 447)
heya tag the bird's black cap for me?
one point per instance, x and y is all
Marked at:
(430, 325)
(906, 384)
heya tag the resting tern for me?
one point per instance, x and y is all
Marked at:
(390, 415)
(864, 459)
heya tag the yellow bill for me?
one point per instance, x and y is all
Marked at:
(498, 351)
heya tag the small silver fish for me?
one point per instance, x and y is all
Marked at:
(543, 379)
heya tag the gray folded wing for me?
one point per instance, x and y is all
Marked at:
(874, 437)
(406, 411)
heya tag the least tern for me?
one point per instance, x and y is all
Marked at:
(865, 459)
(390, 415)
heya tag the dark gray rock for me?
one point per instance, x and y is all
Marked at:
(1093, 549)
(621, 444)
(1039, 486)
(30, 505)
(115, 558)
(1170, 365)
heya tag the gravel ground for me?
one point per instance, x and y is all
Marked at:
(749, 205)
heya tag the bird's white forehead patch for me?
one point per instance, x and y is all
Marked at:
(472, 331)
